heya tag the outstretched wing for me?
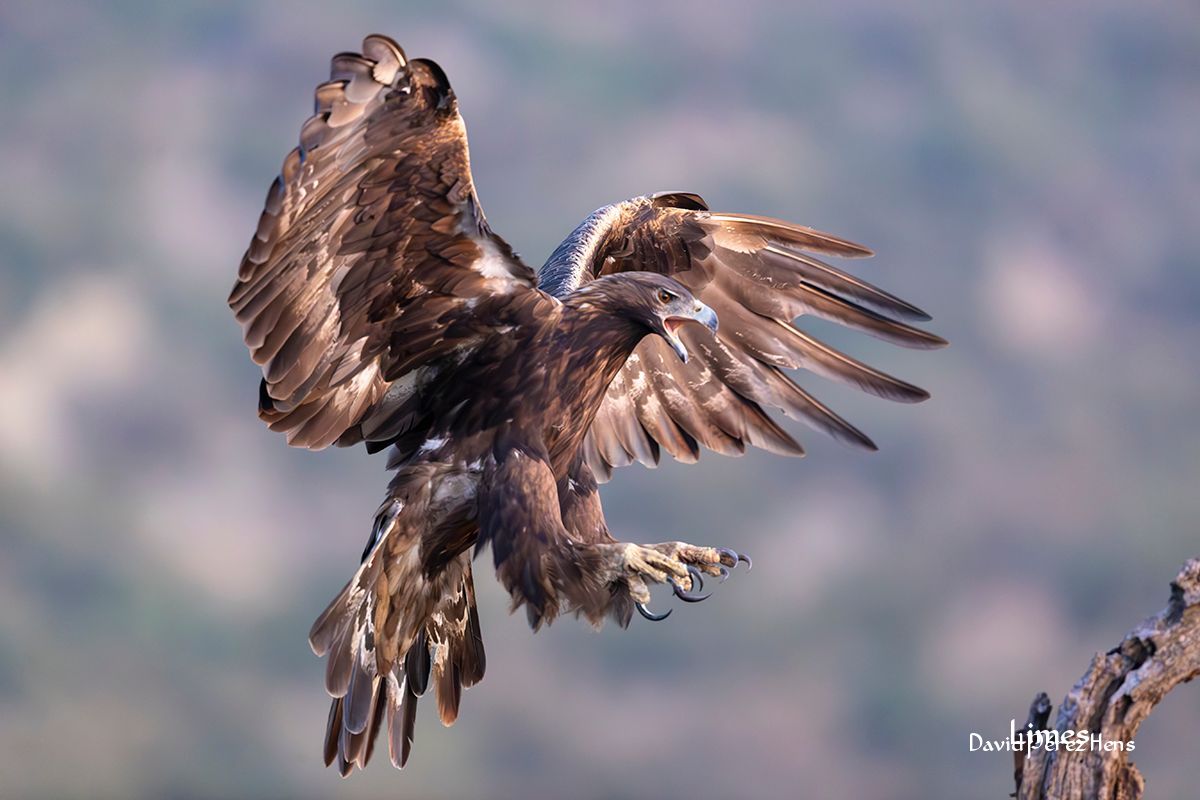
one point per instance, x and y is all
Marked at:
(758, 274)
(372, 261)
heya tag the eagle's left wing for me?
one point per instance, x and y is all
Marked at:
(758, 274)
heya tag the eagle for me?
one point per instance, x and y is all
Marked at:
(384, 311)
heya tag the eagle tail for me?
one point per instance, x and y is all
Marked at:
(372, 689)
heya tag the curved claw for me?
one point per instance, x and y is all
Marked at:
(697, 579)
(746, 558)
(724, 572)
(688, 597)
(645, 612)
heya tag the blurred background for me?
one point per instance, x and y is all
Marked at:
(1031, 176)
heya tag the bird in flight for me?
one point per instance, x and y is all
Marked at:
(383, 310)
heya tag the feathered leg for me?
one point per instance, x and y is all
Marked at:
(553, 552)
(542, 567)
(628, 568)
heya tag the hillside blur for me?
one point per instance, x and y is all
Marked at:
(1031, 176)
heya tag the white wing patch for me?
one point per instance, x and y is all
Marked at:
(495, 266)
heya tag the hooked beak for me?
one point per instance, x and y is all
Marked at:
(671, 325)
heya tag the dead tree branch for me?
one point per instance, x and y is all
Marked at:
(1112, 699)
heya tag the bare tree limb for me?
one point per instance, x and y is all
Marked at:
(1112, 699)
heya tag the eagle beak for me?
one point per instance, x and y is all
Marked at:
(671, 325)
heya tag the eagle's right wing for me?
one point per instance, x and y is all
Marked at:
(372, 260)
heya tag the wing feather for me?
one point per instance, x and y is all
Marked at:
(371, 258)
(759, 275)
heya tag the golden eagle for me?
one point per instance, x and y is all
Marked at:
(384, 310)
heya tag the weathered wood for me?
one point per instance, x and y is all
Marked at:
(1118, 692)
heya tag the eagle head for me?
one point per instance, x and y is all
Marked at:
(663, 305)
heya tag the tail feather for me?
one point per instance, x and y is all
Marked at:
(455, 634)
(359, 702)
(446, 652)
(402, 719)
(370, 733)
(339, 667)
(417, 663)
(333, 731)
(340, 631)
(474, 660)
(356, 748)
(449, 693)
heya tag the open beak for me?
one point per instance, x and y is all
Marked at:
(671, 325)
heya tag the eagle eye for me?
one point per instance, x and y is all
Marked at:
(664, 296)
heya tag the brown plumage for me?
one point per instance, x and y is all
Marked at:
(382, 309)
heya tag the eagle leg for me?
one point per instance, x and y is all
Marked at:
(554, 553)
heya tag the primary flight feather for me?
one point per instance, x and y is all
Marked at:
(384, 310)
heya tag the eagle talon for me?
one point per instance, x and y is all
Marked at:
(688, 597)
(724, 572)
(746, 558)
(645, 612)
